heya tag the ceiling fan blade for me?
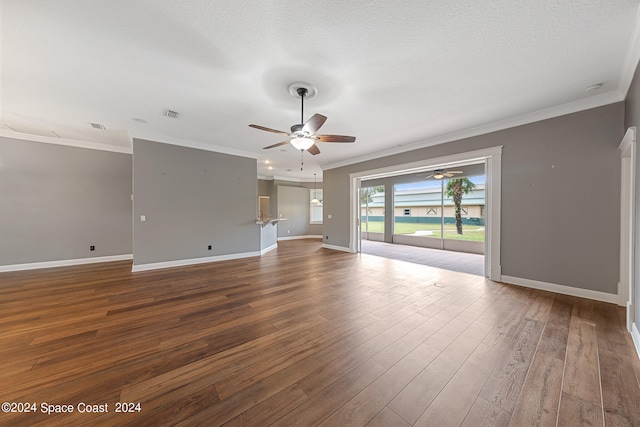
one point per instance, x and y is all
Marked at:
(313, 149)
(448, 174)
(427, 177)
(335, 138)
(276, 145)
(269, 129)
(314, 123)
(455, 172)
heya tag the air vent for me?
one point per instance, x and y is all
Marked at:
(98, 126)
(170, 113)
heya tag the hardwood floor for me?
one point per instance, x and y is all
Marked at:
(308, 336)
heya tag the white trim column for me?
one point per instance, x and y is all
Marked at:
(627, 289)
(493, 171)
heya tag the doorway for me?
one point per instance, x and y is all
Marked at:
(490, 158)
(434, 219)
(372, 213)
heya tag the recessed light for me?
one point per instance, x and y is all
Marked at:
(270, 168)
(267, 162)
(593, 87)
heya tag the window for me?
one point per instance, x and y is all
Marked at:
(426, 206)
(315, 206)
(371, 211)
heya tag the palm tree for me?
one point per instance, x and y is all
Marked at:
(365, 199)
(367, 192)
(456, 188)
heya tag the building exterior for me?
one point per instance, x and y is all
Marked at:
(425, 205)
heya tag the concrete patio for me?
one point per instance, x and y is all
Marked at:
(448, 260)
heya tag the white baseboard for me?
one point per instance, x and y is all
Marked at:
(562, 289)
(308, 236)
(269, 249)
(192, 261)
(636, 337)
(336, 248)
(64, 263)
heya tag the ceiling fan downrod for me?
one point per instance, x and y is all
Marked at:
(302, 91)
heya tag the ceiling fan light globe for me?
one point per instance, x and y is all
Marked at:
(438, 175)
(302, 143)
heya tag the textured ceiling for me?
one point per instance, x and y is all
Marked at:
(395, 74)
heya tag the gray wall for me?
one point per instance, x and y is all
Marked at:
(266, 187)
(192, 198)
(293, 204)
(56, 201)
(632, 118)
(560, 196)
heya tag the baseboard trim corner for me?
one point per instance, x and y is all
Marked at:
(64, 263)
(562, 289)
(336, 248)
(269, 249)
(307, 236)
(635, 335)
(191, 261)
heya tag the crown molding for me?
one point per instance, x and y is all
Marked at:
(536, 116)
(194, 144)
(287, 178)
(631, 58)
(67, 142)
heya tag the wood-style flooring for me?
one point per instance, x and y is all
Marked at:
(308, 336)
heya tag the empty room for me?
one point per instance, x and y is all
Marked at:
(191, 193)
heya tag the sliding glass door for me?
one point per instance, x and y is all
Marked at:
(441, 213)
(372, 212)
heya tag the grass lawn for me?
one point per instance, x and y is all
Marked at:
(470, 232)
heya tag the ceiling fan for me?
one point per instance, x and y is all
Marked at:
(303, 136)
(442, 173)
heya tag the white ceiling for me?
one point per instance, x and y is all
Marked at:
(396, 74)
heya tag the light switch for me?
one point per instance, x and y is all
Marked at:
(329, 216)
(143, 218)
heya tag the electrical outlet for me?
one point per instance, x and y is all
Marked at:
(209, 247)
(92, 248)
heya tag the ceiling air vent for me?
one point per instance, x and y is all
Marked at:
(170, 113)
(98, 126)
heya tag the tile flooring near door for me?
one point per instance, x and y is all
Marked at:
(448, 260)
(308, 336)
